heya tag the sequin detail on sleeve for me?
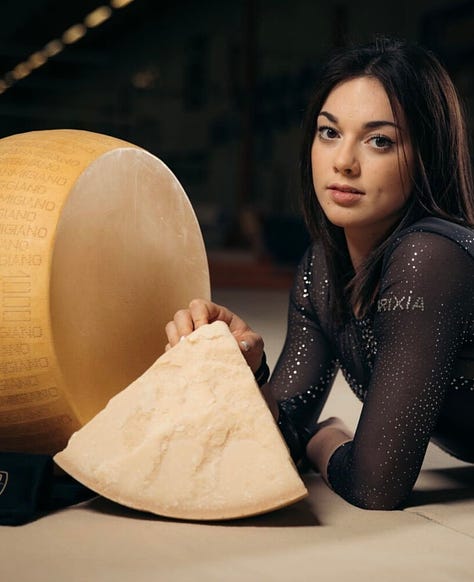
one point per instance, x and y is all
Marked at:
(307, 366)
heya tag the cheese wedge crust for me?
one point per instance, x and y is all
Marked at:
(192, 438)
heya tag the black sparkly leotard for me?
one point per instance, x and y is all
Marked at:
(411, 362)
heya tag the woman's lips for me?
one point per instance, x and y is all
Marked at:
(344, 195)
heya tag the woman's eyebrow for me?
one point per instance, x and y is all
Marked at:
(375, 124)
(369, 125)
(330, 116)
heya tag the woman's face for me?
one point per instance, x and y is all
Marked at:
(362, 159)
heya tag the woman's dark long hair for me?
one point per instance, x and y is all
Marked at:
(415, 82)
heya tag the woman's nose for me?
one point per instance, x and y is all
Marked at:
(346, 161)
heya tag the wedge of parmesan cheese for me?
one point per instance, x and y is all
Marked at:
(192, 438)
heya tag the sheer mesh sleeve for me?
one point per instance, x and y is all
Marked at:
(306, 368)
(424, 316)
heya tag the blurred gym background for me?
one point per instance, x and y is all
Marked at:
(216, 89)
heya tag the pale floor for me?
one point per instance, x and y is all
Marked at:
(320, 538)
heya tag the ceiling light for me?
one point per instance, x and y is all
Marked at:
(53, 48)
(21, 71)
(37, 60)
(120, 3)
(97, 16)
(70, 36)
(74, 33)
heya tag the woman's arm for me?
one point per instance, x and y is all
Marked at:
(306, 368)
(424, 315)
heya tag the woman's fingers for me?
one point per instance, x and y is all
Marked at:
(204, 312)
(201, 312)
(181, 326)
(251, 346)
(187, 320)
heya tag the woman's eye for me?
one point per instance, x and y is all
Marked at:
(381, 142)
(326, 132)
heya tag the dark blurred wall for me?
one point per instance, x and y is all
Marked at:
(218, 90)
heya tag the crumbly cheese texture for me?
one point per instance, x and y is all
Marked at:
(192, 438)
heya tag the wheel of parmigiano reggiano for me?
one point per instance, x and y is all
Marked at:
(192, 438)
(99, 246)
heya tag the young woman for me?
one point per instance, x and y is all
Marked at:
(384, 293)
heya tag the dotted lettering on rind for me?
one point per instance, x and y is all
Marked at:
(19, 383)
(26, 365)
(23, 230)
(28, 398)
(16, 298)
(21, 260)
(33, 203)
(21, 332)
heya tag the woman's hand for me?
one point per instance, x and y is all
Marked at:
(201, 312)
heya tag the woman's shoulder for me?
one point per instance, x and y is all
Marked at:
(433, 234)
(462, 235)
(431, 259)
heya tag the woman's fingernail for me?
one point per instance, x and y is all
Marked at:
(245, 345)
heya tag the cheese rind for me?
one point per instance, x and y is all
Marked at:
(99, 247)
(192, 438)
